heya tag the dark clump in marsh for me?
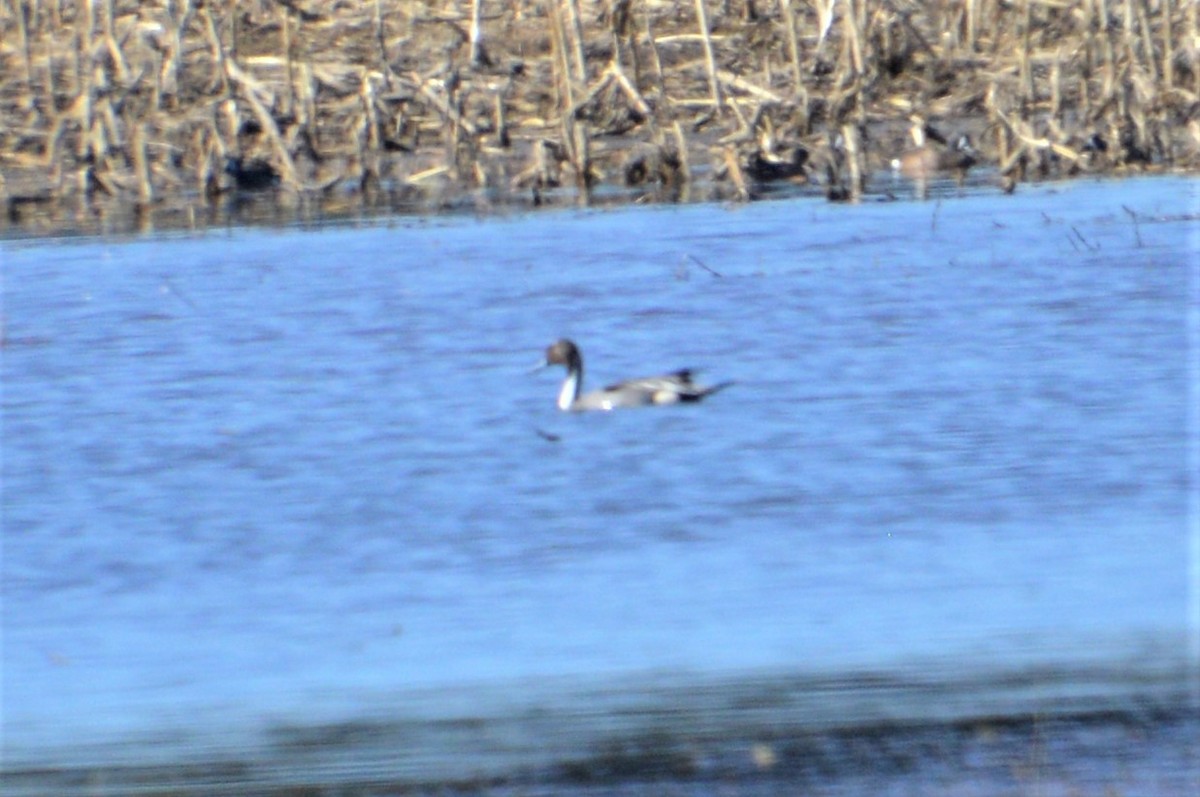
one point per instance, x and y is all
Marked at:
(169, 108)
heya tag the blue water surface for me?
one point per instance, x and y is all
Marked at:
(264, 476)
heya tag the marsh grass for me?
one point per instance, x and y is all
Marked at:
(147, 103)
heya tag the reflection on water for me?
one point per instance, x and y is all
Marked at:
(285, 507)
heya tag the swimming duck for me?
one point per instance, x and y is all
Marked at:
(251, 175)
(672, 388)
(925, 159)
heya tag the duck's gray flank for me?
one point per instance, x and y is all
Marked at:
(672, 388)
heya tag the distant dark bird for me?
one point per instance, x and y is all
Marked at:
(769, 166)
(251, 175)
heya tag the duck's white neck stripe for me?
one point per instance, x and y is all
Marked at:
(570, 390)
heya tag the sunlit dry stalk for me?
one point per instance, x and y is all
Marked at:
(1024, 57)
(574, 35)
(216, 50)
(1193, 36)
(22, 16)
(1168, 45)
(444, 105)
(621, 26)
(655, 58)
(631, 93)
(453, 135)
(1148, 61)
(477, 58)
(179, 12)
(789, 23)
(285, 44)
(558, 54)
(574, 132)
(1108, 89)
(825, 10)
(685, 168)
(370, 121)
(50, 38)
(503, 139)
(971, 12)
(859, 10)
(854, 159)
(85, 23)
(1055, 110)
(710, 60)
(380, 39)
(110, 42)
(141, 164)
(734, 168)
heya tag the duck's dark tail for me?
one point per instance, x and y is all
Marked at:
(707, 391)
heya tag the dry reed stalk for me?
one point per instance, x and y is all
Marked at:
(734, 169)
(789, 23)
(621, 27)
(259, 98)
(825, 10)
(51, 56)
(742, 84)
(304, 91)
(450, 114)
(1024, 66)
(685, 168)
(285, 44)
(1193, 36)
(1055, 110)
(574, 134)
(22, 15)
(854, 25)
(381, 36)
(745, 131)
(179, 13)
(141, 164)
(478, 58)
(710, 60)
(1143, 27)
(1168, 46)
(225, 125)
(370, 121)
(503, 139)
(111, 44)
(971, 14)
(85, 24)
(453, 135)
(216, 50)
(574, 31)
(427, 175)
(851, 140)
(558, 56)
(112, 127)
(655, 58)
(631, 93)
(597, 88)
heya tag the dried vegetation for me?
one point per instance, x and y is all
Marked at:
(172, 106)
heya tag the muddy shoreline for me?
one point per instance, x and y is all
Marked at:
(119, 115)
(1139, 752)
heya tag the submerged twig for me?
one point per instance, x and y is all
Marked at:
(704, 265)
(1137, 235)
